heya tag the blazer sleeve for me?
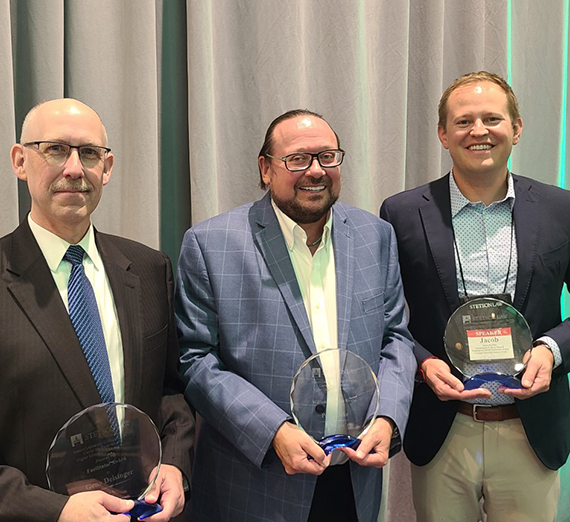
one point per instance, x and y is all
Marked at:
(397, 364)
(28, 502)
(228, 402)
(420, 352)
(177, 420)
(561, 332)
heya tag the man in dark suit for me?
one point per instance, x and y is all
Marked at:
(482, 230)
(260, 289)
(46, 378)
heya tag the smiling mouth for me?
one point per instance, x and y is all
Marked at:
(313, 188)
(481, 146)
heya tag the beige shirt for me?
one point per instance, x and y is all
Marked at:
(54, 248)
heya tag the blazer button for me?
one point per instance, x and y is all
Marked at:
(320, 409)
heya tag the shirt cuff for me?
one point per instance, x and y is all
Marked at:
(552, 345)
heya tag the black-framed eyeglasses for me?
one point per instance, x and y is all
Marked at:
(303, 160)
(56, 153)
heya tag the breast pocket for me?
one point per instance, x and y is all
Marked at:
(373, 304)
(156, 339)
(555, 255)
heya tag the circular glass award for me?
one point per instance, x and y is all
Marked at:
(335, 398)
(488, 340)
(111, 447)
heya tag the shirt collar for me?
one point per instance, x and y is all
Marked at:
(54, 248)
(293, 232)
(459, 201)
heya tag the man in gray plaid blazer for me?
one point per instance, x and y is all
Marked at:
(260, 289)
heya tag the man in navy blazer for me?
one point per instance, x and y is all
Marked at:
(46, 379)
(482, 230)
(260, 289)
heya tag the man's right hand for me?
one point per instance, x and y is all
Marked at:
(293, 446)
(445, 385)
(95, 506)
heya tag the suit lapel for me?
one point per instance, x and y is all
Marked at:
(435, 213)
(35, 291)
(344, 267)
(526, 214)
(126, 294)
(269, 238)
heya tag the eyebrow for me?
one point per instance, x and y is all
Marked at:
(66, 142)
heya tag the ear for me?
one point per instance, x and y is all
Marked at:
(17, 159)
(517, 130)
(108, 167)
(442, 134)
(264, 167)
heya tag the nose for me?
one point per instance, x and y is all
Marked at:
(479, 128)
(315, 170)
(73, 167)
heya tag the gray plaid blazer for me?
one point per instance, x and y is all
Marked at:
(244, 332)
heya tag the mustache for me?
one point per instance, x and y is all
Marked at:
(81, 185)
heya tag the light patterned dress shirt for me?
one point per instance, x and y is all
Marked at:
(486, 250)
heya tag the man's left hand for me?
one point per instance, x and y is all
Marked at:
(168, 491)
(536, 378)
(377, 438)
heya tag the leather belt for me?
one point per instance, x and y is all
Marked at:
(484, 413)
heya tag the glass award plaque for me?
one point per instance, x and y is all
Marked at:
(488, 340)
(111, 447)
(335, 398)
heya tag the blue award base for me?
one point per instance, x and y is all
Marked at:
(332, 442)
(506, 380)
(143, 509)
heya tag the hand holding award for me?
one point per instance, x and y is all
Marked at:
(335, 398)
(488, 340)
(110, 447)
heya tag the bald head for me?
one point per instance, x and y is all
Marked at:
(40, 116)
(64, 186)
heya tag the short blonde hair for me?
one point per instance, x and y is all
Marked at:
(474, 77)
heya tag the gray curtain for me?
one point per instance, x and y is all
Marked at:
(187, 89)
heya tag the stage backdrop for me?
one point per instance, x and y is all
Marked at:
(187, 89)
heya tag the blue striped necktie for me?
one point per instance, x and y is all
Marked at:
(86, 321)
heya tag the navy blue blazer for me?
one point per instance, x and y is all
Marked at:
(421, 218)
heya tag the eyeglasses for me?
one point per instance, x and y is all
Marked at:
(57, 153)
(303, 160)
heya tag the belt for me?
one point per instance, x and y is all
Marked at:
(485, 413)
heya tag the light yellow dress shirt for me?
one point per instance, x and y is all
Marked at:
(317, 280)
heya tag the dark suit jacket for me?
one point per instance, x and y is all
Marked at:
(422, 220)
(45, 379)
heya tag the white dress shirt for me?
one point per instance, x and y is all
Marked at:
(54, 248)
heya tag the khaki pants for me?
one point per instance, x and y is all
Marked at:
(489, 460)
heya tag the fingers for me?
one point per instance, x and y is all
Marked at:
(95, 506)
(169, 491)
(117, 505)
(298, 452)
(477, 393)
(537, 376)
(374, 448)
